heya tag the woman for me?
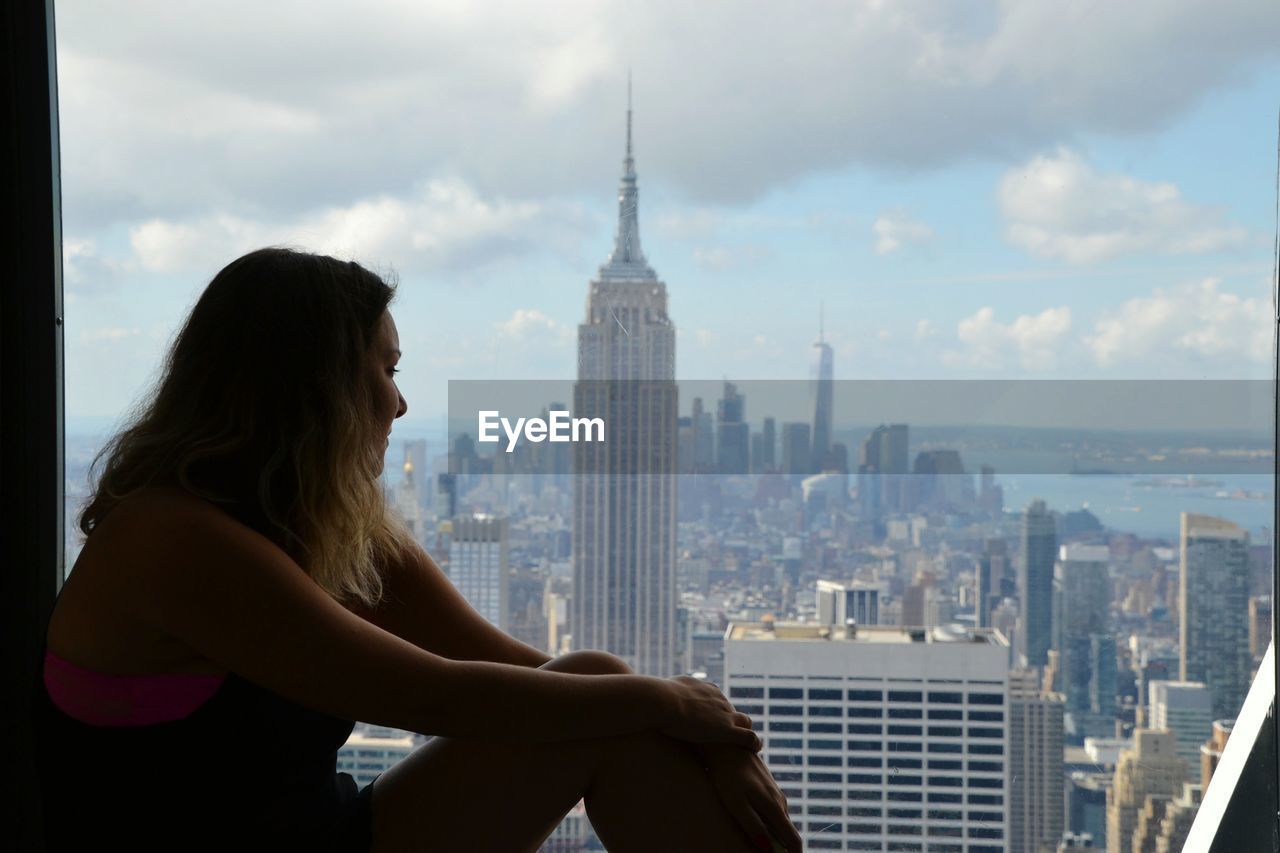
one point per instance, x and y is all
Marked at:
(243, 595)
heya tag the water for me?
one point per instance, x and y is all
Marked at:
(1133, 505)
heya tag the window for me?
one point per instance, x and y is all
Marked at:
(1074, 233)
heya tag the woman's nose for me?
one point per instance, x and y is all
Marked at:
(404, 407)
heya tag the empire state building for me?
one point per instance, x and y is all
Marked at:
(624, 507)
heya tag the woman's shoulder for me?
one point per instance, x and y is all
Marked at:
(153, 530)
(161, 511)
(93, 622)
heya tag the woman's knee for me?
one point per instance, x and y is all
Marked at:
(589, 662)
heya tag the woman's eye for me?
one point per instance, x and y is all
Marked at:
(394, 371)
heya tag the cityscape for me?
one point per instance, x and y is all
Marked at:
(939, 655)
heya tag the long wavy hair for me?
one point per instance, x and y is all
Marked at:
(264, 408)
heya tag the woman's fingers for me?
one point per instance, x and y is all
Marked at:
(742, 721)
(751, 824)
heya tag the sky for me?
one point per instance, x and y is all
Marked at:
(967, 189)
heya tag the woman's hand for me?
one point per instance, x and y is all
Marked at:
(698, 712)
(747, 791)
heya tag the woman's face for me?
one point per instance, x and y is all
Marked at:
(383, 356)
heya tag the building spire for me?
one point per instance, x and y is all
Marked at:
(627, 260)
(630, 163)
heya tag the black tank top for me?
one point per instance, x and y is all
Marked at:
(246, 770)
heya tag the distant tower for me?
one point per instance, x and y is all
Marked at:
(408, 498)
(796, 449)
(1213, 605)
(1035, 583)
(882, 472)
(769, 441)
(993, 580)
(823, 375)
(415, 452)
(1085, 591)
(624, 514)
(478, 564)
(732, 448)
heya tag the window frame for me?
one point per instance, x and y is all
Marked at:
(31, 388)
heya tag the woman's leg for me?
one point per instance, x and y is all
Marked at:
(644, 792)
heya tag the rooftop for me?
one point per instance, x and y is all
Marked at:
(867, 634)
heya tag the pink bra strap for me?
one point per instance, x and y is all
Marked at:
(100, 699)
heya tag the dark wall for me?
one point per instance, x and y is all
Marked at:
(31, 445)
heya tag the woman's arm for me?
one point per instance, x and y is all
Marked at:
(422, 606)
(233, 597)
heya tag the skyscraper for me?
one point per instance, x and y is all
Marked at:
(1035, 763)
(796, 449)
(624, 515)
(478, 564)
(1081, 576)
(995, 580)
(823, 374)
(1035, 584)
(731, 432)
(882, 473)
(1213, 593)
(768, 443)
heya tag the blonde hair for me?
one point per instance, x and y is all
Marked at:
(264, 407)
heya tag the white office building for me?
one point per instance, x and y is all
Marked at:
(882, 738)
(1186, 709)
(368, 753)
(839, 602)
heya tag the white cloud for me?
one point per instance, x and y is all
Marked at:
(686, 224)
(895, 228)
(723, 258)
(1058, 206)
(531, 326)
(1031, 340)
(925, 330)
(170, 110)
(1198, 322)
(444, 225)
(107, 335)
(703, 338)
